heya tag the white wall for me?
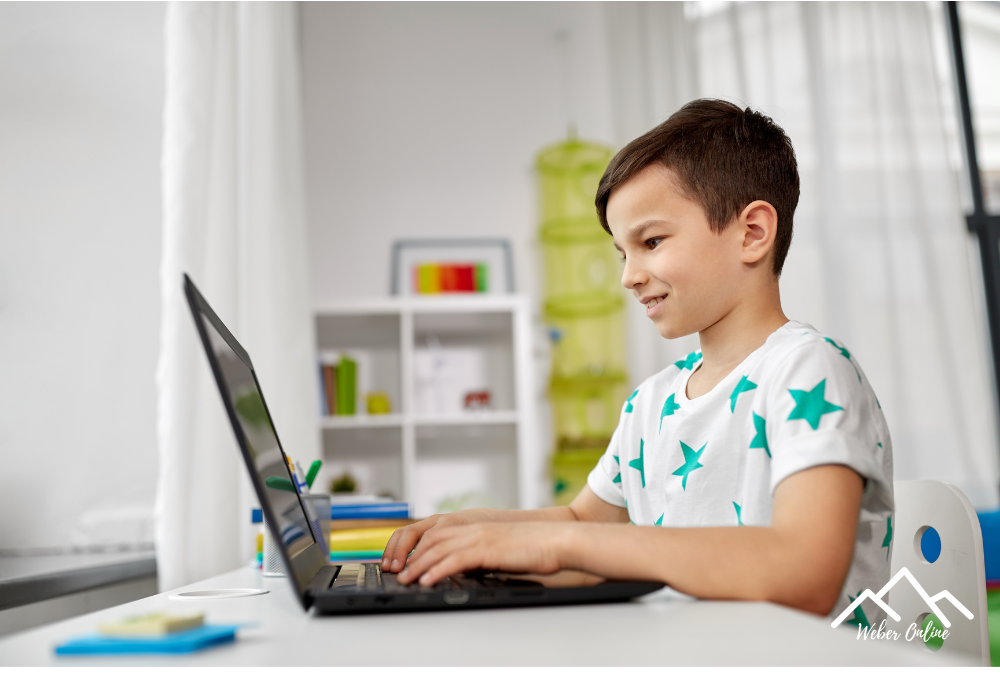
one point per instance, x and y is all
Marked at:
(81, 92)
(423, 120)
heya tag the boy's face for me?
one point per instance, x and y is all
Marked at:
(686, 275)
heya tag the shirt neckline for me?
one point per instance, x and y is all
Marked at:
(682, 397)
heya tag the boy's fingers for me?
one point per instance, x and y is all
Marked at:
(390, 547)
(405, 540)
(454, 563)
(424, 559)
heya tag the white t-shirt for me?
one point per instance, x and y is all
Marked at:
(798, 401)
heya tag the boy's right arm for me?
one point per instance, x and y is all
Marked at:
(585, 507)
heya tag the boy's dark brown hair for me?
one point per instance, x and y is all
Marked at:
(723, 158)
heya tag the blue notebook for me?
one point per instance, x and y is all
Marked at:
(178, 643)
(373, 511)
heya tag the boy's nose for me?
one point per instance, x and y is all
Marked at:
(633, 276)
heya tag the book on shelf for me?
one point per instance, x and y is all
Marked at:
(347, 384)
(330, 389)
(338, 374)
(363, 538)
(360, 539)
(369, 511)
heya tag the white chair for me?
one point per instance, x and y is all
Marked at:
(959, 569)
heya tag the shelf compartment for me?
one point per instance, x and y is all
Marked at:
(464, 466)
(371, 340)
(469, 418)
(361, 421)
(458, 353)
(372, 456)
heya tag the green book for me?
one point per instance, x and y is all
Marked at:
(347, 382)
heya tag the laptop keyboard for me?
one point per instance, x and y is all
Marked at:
(370, 577)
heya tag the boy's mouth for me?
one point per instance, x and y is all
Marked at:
(653, 303)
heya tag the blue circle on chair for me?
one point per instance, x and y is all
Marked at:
(930, 545)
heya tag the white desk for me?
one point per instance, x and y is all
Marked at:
(659, 630)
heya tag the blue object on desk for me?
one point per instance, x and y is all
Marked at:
(990, 524)
(178, 643)
(372, 511)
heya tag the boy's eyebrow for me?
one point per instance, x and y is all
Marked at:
(639, 229)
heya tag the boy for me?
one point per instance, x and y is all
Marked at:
(761, 462)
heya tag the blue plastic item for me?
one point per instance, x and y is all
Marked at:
(371, 511)
(990, 524)
(930, 545)
(178, 643)
(256, 515)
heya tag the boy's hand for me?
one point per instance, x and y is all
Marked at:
(405, 539)
(520, 547)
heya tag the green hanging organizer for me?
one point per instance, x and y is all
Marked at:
(584, 311)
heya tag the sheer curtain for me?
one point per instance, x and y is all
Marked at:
(233, 209)
(880, 258)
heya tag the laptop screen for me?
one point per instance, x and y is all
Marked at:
(244, 396)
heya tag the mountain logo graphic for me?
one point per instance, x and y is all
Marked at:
(931, 601)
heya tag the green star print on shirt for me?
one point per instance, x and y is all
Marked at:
(843, 351)
(811, 405)
(638, 464)
(888, 536)
(690, 463)
(859, 618)
(688, 362)
(760, 439)
(670, 406)
(743, 385)
(628, 401)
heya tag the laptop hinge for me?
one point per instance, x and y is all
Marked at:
(323, 578)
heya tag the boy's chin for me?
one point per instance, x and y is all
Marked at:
(670, 331)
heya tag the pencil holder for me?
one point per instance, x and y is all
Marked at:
(272, 564)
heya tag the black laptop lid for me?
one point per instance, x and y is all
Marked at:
(284, 510)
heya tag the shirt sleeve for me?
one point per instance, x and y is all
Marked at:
(820, 410)
(606, 480)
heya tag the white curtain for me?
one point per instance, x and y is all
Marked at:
(880, 257)
(233, 209)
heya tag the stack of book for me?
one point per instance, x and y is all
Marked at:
(338, 386)
(360, 531)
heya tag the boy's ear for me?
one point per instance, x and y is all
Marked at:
(760, 225)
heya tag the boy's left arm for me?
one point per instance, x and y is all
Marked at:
(800, 560)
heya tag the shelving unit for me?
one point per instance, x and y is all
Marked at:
(430, 451)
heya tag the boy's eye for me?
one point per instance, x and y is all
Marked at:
(653, 242)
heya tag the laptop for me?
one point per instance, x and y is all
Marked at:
(355, 587)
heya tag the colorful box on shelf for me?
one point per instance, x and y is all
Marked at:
(450, 278)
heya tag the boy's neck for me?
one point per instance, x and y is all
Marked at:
(728, 341)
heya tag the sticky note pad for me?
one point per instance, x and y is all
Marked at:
(179, 643)
(152, 625)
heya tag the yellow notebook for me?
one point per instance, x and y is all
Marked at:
(365, 538)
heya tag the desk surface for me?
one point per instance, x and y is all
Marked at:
(661, 629)
(26, 580)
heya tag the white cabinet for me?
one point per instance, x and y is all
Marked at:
(428, 354)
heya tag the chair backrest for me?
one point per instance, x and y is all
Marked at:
(959, 568)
